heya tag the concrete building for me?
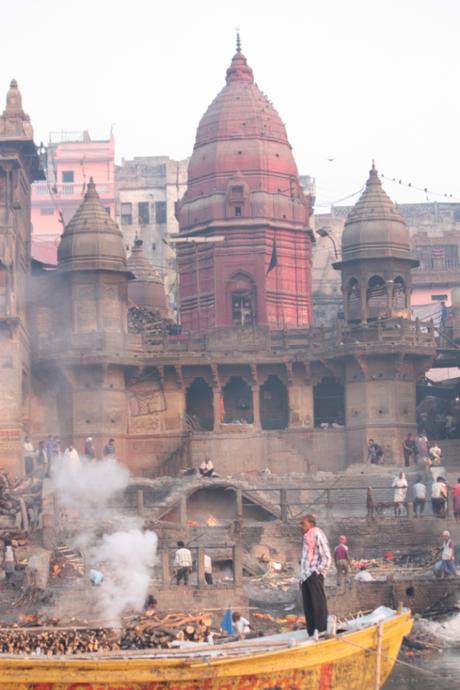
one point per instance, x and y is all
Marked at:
(69, 160)
(249, 381)
(148, 189)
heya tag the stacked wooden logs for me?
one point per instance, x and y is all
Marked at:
(142, 633)
(57, 641)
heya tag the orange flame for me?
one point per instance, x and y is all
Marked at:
(211, 521)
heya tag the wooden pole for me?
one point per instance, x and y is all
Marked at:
(183, 509)
(378, 660)
(140, 501)
(283, 505)
(200, 565)
(165, 566)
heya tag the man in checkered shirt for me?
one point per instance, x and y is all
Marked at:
(315, 562)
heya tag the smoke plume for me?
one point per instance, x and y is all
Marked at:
(89, 499)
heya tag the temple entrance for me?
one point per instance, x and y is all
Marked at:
(199, 405)
(274, 404)
(237, 402)
(329, 403)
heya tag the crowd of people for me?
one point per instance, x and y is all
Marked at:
(47, 454)
(439, 496)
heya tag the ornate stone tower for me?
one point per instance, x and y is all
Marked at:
(245, 198)
(19, 167)
(93, 276)
(376, 262)
(388, 352)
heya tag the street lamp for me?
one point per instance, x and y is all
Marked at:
(324, 232)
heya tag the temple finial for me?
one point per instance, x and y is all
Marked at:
(238, 41)
(373, 164)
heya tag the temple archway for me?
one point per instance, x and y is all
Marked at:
(241, 291)
(199, 405)
(329, 402)
(274, 404)
(399, 294)
(376, 298)
(237, 396)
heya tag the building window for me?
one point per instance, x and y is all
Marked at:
(126, 214)
(438, 298)
(160, 211)
(67, 176)
(238, 211)
(46, 211)
(107, 210)
(438, 257)
(143, 211)
(242, 308)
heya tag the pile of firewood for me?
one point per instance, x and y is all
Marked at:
(51, 642)
(142, 633)
(154, 632)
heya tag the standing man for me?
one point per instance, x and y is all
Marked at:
(408, 449)
(448, 556)
(437, 500)
(400, 486)
(28, 456)
(421, 445)
(315, 562)
(182, 563)
(208, 569)
(374, 452)
(342, 561)
(89, 449)
(419, 497)
(72, 459)
(109, 449)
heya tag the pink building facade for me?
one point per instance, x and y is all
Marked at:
(70, 159)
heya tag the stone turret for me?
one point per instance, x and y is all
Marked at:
(92, 283)
(376, 257)
(92, 263)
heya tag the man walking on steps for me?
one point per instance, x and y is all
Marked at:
(315, 562)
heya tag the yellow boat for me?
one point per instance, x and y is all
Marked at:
(360, 658)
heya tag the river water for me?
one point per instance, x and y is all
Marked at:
(439, 670)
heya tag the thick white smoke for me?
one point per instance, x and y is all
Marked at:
(446, 633)
(89, 503)
(127, 559)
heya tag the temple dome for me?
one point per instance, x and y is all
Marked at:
(140, 266)
(91, 240)
(147, 289)
(374, 227)
(241, 143)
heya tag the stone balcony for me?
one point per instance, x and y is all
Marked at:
(242, 344)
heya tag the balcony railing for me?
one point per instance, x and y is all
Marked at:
(71, 189)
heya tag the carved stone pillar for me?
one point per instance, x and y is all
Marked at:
(217, 407)
(256, 405)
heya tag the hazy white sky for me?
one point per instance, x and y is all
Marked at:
(352, 79)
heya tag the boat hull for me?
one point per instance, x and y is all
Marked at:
(348, 662)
